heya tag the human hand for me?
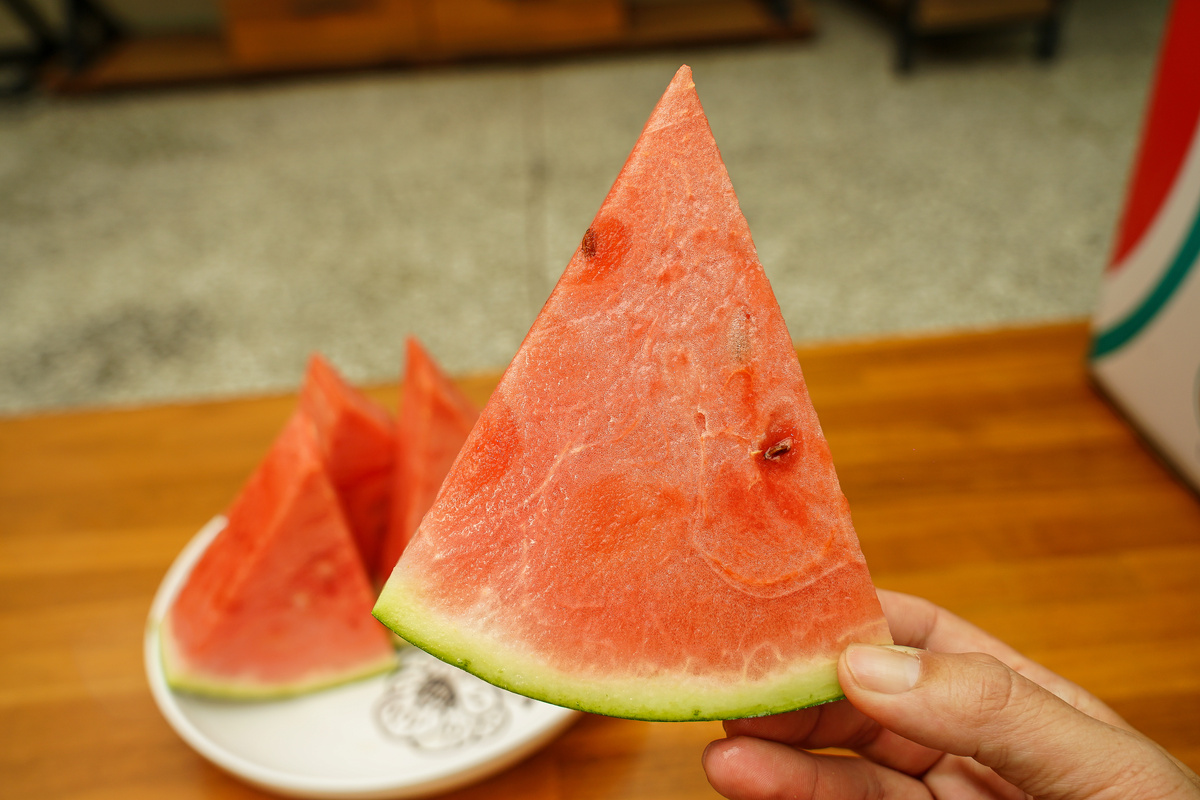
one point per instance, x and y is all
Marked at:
(964, 717)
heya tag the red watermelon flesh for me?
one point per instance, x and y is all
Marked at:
(435, 418)
(279, 603)
(357, 442)
(646, 521)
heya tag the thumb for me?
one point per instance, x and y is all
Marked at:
(973, 705)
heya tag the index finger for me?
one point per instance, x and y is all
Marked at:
(837, 724)
(916, 622)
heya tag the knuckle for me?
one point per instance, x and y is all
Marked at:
(997, 707)
(996, 696)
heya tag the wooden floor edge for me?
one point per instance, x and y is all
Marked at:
(1072, 327)
(1080, 326)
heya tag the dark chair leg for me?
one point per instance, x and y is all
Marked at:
(37, 27)
(22, 64)
(780, 9)
(1049, 33)
(89, 29)
(906, 36)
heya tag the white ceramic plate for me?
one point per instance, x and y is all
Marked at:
(425, 728)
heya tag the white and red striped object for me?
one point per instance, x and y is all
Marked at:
(1146, 331)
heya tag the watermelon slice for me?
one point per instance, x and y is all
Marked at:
(645, 521)
(279, 603)
(357, 442)
(435, 418)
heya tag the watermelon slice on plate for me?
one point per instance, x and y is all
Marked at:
(419, 730)
(435, 418)
(645, 521)
(279, 604)
(356, 439)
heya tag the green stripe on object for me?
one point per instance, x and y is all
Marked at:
(1119, 334)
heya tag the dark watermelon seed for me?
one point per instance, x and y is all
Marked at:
(778, 450)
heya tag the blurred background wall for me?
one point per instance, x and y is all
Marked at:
(188, 242)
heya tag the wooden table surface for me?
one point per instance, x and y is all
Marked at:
(983, 470)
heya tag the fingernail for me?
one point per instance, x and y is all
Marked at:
(889, 670)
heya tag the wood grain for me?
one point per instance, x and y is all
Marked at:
(930, 15)
(278, 37)
(984, 472)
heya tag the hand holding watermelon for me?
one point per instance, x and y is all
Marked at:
(966, 716)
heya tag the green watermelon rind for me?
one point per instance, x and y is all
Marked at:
(180, 678)
(671, 698)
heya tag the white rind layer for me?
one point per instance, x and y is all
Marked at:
(668, 697)
(182, 676)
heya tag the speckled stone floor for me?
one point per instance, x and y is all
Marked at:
(192, 244)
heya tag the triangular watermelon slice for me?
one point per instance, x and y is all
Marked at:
(646, 522)
(435, 418)
(357, 442)
(279, 603)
